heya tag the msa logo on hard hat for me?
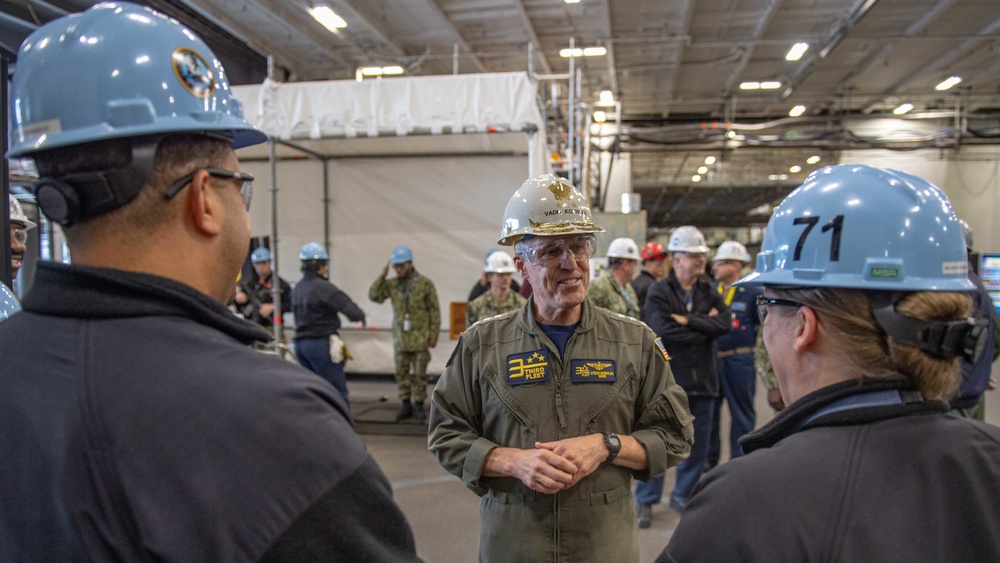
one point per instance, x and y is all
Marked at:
(193, 72)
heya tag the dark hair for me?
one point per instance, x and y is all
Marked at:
(312, 266)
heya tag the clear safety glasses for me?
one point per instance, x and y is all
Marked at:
(763, 302)
(244, 179)
(20, 235)
(549, 251)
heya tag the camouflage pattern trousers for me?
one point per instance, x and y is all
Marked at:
(411, 375)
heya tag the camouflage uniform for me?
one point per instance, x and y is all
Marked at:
(413, 297)
(605, 292)
(484, 306)
(762, 363)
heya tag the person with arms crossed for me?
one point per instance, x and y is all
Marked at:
(548, 412)
(866, 313)
(688, 314)
(138, 423)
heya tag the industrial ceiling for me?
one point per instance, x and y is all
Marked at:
(678, 70)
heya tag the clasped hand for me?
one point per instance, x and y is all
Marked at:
(557, 466)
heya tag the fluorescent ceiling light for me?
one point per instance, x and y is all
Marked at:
(797, 111)
(600, 116)
(796, 52)
(795, 169)
(774, 177)
(703, 170)
(572, 1)
(607, 98)
(948, 83)
(371, 71)
(813, 159)
(770, 85)
(585, 52)
(749, 85)
(902, 109)
(392, 70)
(709, 160)
(324, 15)
(379, 70)
(696, 178)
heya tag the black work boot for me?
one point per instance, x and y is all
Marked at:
(418, 412)
(644, 515)
(405, 411)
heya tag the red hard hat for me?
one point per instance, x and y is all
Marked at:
(653, 251)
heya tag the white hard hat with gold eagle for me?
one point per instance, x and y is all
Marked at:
(546, 206)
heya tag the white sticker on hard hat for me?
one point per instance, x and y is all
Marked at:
(954, 268)
(193, 72)
(35, 132)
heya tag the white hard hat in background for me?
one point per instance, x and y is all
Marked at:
(687, 239)
(732, 250)
(17, 214)
(623, 248)
(499, 263)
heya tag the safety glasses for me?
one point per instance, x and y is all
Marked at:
(549, 251)
(20, 235)
(245, 183)
(763, 302)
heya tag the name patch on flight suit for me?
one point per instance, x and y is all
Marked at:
(528, 367)
(659, 344)
(593, 371)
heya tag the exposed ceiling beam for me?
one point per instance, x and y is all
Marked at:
(433, 6)
(254, 39)
(678, 49)
(737, 74)
(607, 31)
(913, 29)
(946, 58)
(537, 45)
(356, 12)
(296, 17)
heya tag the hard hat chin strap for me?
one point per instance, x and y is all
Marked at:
(67, 199)
(965, 338)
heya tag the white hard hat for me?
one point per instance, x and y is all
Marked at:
(546, 206)
(499, 263)
(732, 250)
(687, 239)
(17, 214)
(623, 248)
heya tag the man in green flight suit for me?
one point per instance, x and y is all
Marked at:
(613, 290)
(549, 411)
(416, 322)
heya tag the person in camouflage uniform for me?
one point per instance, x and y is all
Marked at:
(613, 289)
(765, 372)
(416, 323)
(501, 297)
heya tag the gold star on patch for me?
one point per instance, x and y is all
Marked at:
(535, 356)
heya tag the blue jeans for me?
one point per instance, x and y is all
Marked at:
(314, 355)
(689, 470)
(738, 381)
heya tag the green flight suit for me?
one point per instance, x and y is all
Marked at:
(414, 306)
(605, 292)
(481, 402)
(484, 306)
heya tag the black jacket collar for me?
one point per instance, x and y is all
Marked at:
(790, 420)
(105, 293)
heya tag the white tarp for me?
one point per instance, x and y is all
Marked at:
(462, 103)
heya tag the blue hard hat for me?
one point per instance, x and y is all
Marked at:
(260, 254)
(8, 303)
(114, 71)
(857, 226)
(313, 251)
(401, 254)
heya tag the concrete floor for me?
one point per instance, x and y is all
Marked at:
(444, 514)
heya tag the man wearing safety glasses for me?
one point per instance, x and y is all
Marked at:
(548, 412)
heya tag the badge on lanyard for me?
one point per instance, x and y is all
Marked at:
(528, 367)
(593, 371)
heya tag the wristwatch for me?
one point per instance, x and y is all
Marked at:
(614, 445)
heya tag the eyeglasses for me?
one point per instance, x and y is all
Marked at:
(550, 251)
(20, 235)
(245, 180)
(763, 302)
